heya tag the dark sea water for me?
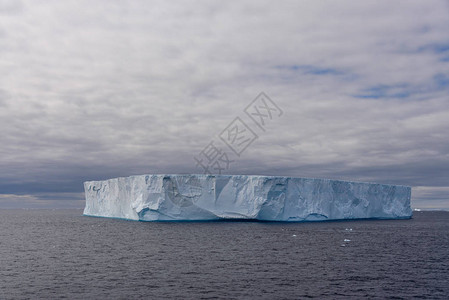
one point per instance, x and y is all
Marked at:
(47, 254)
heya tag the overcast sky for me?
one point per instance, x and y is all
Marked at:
(92, 90)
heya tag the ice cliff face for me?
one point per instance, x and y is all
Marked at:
(213, 197)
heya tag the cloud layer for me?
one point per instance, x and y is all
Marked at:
(112, 88)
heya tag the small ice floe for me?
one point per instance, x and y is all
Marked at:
(346, 240)
(417, 209)
(343, 245)
(294, 235)
(348, 229)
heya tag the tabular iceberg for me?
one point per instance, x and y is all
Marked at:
(267, 198)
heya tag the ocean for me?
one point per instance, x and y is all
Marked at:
(52, 254)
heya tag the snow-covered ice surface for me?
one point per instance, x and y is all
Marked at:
(268, 198)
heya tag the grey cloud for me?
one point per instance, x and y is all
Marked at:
(10, 7)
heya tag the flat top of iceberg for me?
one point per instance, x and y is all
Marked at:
(251, 176)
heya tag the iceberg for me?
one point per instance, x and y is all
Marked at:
(267, 198)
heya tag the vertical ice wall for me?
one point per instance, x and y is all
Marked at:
(269, 198)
